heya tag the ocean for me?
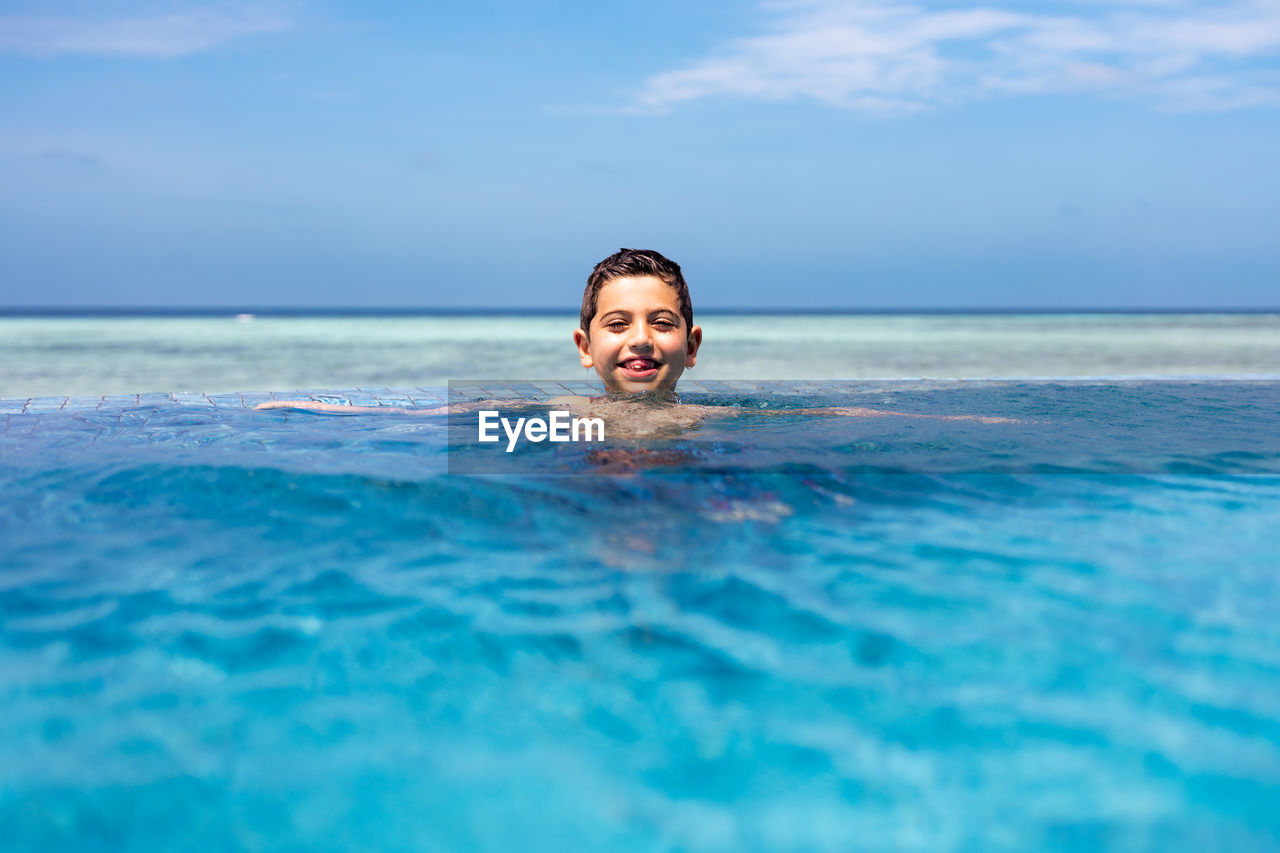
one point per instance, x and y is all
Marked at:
(102, 355)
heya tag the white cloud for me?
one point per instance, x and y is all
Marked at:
(159, 36)
(890, 56)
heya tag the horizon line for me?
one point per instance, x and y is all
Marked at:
(451, 311)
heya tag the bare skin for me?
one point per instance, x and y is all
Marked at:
(637, 419)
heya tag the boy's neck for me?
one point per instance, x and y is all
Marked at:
(657, 397)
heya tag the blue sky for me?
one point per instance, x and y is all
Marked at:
(853, 153)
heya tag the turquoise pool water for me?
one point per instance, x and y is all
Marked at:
(223, 629)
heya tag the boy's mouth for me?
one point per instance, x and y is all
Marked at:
(639, 368)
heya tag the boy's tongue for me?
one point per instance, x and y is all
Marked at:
(639, 365)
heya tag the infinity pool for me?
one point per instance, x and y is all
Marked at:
(227, 629)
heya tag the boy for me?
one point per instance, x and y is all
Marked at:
(636, 326)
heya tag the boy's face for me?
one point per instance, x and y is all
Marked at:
(638, 340)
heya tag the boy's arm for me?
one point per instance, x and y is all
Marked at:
(859, 412)
(344, 409)
(337, 408)
(450, 409)
(856, 412)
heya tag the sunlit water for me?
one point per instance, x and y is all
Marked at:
(223, 629)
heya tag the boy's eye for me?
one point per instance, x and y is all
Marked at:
(661, 324)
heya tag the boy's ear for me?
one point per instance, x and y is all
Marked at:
(691, 346)
(583, 343)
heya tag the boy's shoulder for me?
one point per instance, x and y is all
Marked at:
(568, 401)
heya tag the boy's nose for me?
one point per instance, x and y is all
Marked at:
(640, 337)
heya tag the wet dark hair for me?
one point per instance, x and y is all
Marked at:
(634, 262)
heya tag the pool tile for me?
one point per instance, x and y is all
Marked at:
(81, 404)
(463, 392)
(430, 396)
(249, 399)
(549, 389)
(39, 405)
(61, 437)
(134, 417)
(192, 398)
(20, 428)
(500, 392)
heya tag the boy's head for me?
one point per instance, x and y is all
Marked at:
(637, 322)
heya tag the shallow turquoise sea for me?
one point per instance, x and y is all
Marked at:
(223, 629)
(219, 354)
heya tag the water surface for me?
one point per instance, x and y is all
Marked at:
(228, 630)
